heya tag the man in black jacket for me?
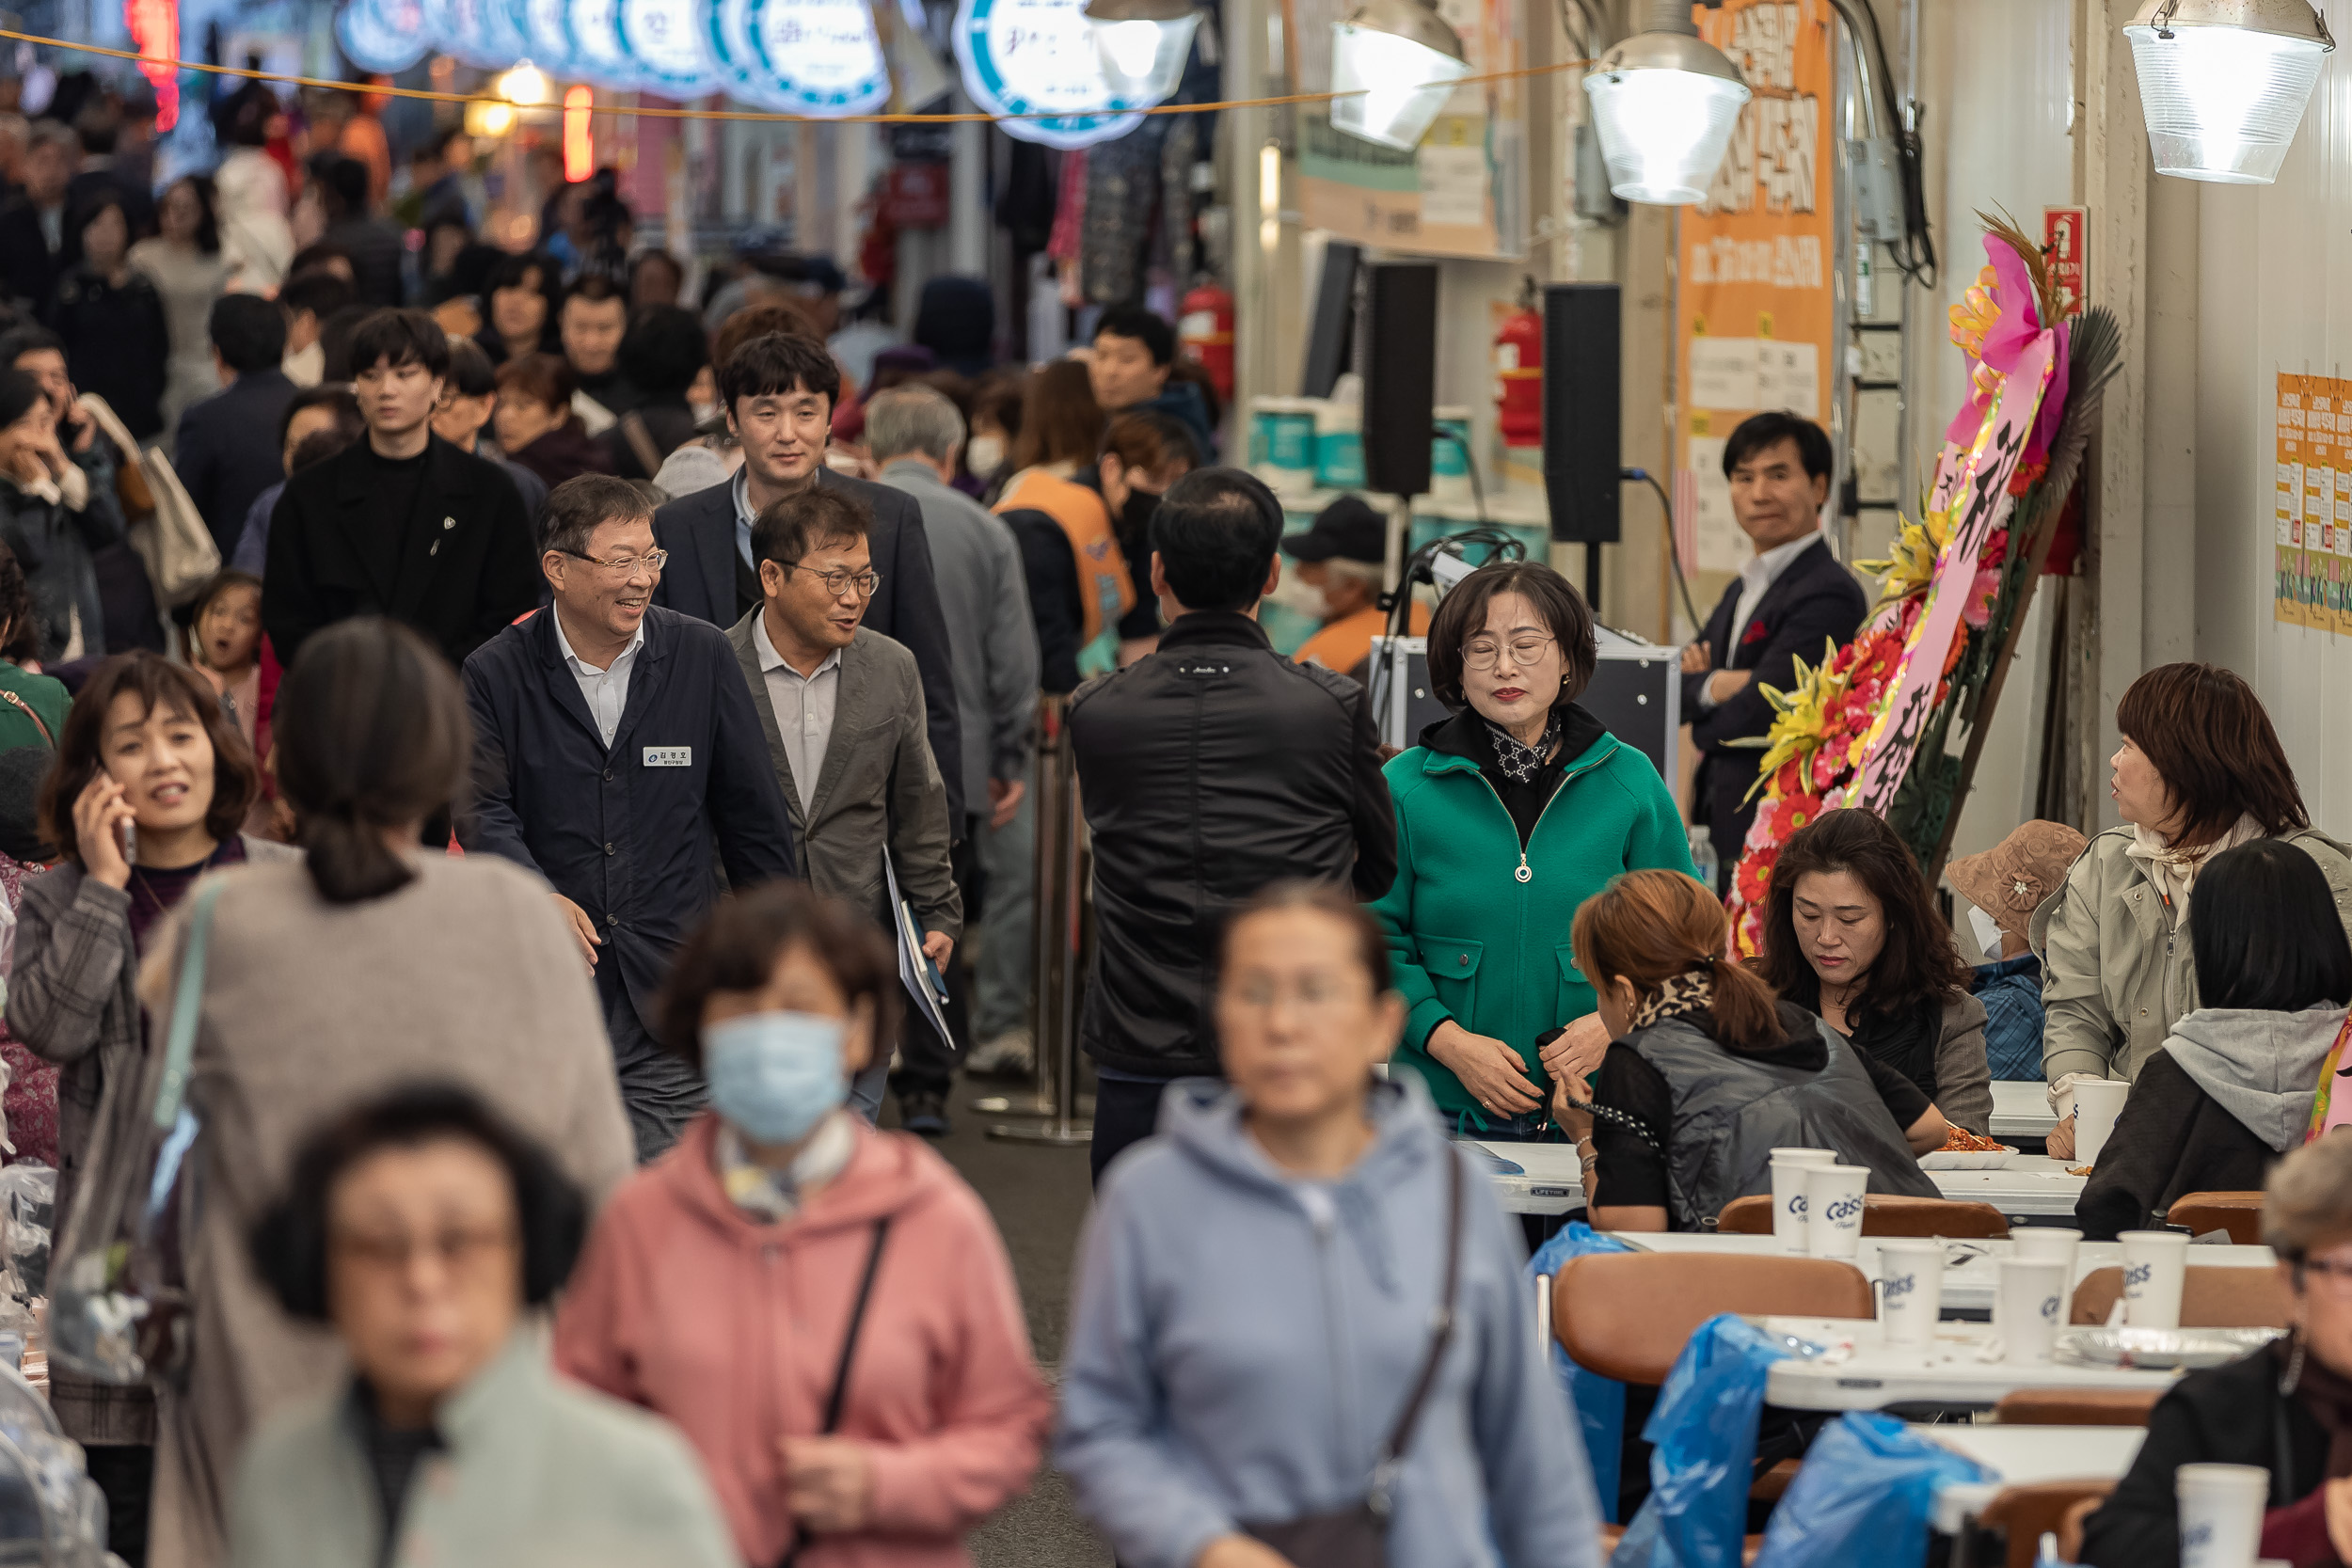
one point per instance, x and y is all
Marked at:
(779, 393)
(402, 524)
(1209, 769)
(612, 742)
(228, 449)
(1791, 598)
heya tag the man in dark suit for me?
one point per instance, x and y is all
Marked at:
(779, 393)
(402, 524)
(227, 450)
(32, 226)
(1791, 597)
(613, 742)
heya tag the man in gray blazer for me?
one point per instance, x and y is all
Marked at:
(843, 709)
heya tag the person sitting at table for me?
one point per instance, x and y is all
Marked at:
(2286, 1407)
(1706, 1072)
(2231, 1088)
(2006, 885)
(1851, 934)
(2200, 770)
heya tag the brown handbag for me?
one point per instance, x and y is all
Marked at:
(1358, 1537)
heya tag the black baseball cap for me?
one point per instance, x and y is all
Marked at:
(1347, 529)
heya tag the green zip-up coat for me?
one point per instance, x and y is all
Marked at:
(1474, 938)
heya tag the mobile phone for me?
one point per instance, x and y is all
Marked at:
(131, 843)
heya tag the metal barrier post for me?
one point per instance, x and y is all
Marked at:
(1061, 904)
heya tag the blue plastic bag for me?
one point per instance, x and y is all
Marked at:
(1598, 1402)
(1863, 1495)
(1701, 1467)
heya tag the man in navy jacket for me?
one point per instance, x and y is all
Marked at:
(1791, 599)
(612, 740)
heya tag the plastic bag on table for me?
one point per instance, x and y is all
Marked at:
(1863, 1495)
(1702, 1467)
(1598, 1402)
(28, 1205)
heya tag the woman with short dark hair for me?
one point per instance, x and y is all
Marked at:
(1851, 933)
(890, 1403)
(2231, 1090)
(535, 424)
(1509, 816)
(109, 315)
(2199, 772)
(424, 1230)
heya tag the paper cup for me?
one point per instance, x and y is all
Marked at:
(2047, 1243)
(1833, 1209)
(1911, 1273)
(2222, 1513)
(1788, 1168)
(2097, 1103)
(2155, 1265)
(2026, 1310)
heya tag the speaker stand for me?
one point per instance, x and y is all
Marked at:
(1592, 575)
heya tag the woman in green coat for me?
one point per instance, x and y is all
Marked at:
(1509, 816)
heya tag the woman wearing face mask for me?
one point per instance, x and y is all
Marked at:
(1142, 455)
(1851, 933)
(425, 1231)
(2286, 1408)
(891, 1382)
(1510, 814)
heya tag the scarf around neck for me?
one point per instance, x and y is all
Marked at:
(1520, 764)
(2174, 869)
(1692, 991)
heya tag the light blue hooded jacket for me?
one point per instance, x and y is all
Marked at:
(1232, 1359)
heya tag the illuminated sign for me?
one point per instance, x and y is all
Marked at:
(1038, 58)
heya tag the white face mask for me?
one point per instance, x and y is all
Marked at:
(1314, 601)
(1988, 932)
(704, 412)
(985, 455)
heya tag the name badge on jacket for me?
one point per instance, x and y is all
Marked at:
(668, 756)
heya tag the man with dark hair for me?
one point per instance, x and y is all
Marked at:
(1209, 769)
(779, 393)
(32, 226)
(1792, 596)
(1134, 348)
(227, 447)
(592, 323)
(470, 396)
(614, 746)
(843, 710)
(308, 299)
(375, 248)
(402, 524)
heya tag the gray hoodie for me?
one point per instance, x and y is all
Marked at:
(2263, 1068)
(1233, 1358)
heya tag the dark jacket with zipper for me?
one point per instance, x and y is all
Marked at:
(1209, 769)
(1478, 916)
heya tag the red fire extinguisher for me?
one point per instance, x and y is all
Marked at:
(1205, 329)
(1520, 372)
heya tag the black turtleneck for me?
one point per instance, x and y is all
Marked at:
(1466, 735)
(393, 485)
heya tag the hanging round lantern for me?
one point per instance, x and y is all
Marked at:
(1143, 45)
(546, 36)
(664, 47)
(1039, 58)
(822, 56)
(598, 52)
(482, 33)
(372, 42)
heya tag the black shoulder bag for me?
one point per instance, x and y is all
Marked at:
(841, 1368)
(1358, 1537)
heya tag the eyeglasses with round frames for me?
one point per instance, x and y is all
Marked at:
(1480, 652)
(840, 579)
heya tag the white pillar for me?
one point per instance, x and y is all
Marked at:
(967, 194)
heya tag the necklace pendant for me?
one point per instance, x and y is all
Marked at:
(1523, 874)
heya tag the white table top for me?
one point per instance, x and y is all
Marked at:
(2029, 1186)
(2021, 1456)
(1947, 1371)
(2021, 1109)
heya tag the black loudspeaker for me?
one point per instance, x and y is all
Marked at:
(1332, 331)
(1583, 425)
(1396, 344)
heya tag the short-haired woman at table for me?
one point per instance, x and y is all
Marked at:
(2286, 1407)
(1706, 1073)
(2231, 1090)
(2200, 770)
(1257, 1287)
(1509, 814)
(1851, 933)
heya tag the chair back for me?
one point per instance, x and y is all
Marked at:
(2239, 1213)
(1882, 1215)
(2076, 1407)
(2024, 1512)
(1628, 1315)
(2214, 1297)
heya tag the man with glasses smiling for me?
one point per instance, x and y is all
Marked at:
(612, 742)
(844, 711)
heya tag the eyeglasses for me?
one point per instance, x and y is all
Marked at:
(457, 1250)
(1480, 652)
(1311, 993)
(652, 561)
(840, 579)
(2335, 1273)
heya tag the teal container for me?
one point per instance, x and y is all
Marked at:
(1338, 446)
(1282, 442)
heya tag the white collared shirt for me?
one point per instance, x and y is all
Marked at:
(803, 708)
(1757, 576)
(606, 690)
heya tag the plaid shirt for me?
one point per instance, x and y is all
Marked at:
(2010, 990)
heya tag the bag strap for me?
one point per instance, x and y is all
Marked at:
(1440, 1337)
(857, 1320)
(639, 438)
(26, 708)
(187, 999)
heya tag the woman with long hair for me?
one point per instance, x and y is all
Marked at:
(190, 269)
(1061, 428)
(1706, 1073)
(1851, 933)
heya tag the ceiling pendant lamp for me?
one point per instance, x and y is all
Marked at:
(1398, 61)
(1143, 45)
(2223, 83)
(1664, 103)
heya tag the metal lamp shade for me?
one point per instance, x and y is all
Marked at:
(2223, 84)
(1397, 69)
(1143, 57)
(1664, 106)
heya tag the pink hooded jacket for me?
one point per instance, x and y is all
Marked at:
(732, 1328)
